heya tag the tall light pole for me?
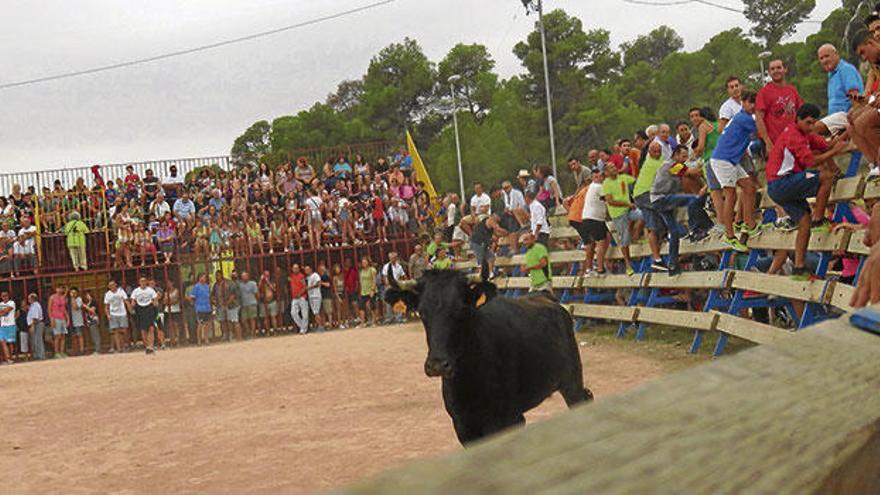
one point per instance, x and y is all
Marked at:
(540, 8)
(452, 80)
(761, 57)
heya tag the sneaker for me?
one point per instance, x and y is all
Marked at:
(594, 274)
(112, 351)
(674, 270)
(630, 271)
(785, 224)
(149, 350)
(752, 232)
(821, 227)
(800, 274)
(342, 326)
(659, 266)
(57, 355)
(736, 245)
(874, 173)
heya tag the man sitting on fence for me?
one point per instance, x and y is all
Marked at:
(789, 183)
(76, 230)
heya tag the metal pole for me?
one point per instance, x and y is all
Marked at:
(457, 143)
(547, 87)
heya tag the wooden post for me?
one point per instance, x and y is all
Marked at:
(796, 416)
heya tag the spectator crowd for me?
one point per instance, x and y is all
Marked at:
(713, 165)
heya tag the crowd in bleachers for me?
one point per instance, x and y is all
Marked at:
(716, 166)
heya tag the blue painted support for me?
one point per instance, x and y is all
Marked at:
(814, 313)
(854, 161)
(714, 299)
(567, 295)
(634, 298)
(737, 303)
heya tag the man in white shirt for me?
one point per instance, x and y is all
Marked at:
(146, 301)
(481, 203)
(395, 269)
(313, 289)
(539, 226)
(172, 184)
(7, 327)
(662, 138)
(115, 308)
(594, 232)
(24, 248)
(36, 328)
(158, 208)
(515, 212)
(733, 105)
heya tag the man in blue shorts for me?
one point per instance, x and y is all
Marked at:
(7, 327)
(725, 164)
(790, 183)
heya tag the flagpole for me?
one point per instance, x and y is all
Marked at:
(452, 79)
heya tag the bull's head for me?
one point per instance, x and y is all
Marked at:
(446, 302)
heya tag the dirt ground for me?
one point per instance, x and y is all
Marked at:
(287, 414)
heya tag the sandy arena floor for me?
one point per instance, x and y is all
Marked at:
(287, 414)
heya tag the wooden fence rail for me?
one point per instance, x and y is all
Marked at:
(799, 415)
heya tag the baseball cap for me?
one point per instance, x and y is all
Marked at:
(523, 173)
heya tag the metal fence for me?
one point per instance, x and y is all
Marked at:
(68, 176)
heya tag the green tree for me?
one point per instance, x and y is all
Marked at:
(477, 84)
(652, 47)
(250, 147)
(398, 84)
(773, 20)
(347, 97)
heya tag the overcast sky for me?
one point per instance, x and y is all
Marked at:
(196, 105)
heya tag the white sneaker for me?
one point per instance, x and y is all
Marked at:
(874, 173)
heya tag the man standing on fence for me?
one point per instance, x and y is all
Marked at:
(299, 306)
(76, 230)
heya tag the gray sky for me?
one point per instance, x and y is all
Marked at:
(196, 105)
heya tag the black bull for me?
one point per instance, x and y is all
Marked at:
(497, 360)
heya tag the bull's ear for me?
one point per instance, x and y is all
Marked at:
(409, 297)
(481, 293)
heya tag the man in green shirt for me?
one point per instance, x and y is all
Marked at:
(76, 230)
(537, 264)
(431, 250)
(642, 198)
(443, 261)
(624, 214)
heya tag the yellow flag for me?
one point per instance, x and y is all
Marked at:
(419, 167)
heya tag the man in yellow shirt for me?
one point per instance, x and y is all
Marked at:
(624, 214)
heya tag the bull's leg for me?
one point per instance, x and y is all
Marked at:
(574, 392)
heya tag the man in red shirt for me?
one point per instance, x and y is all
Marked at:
(789, 183)
(776, 105)
(299, 305)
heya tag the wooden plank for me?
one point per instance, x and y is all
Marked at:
(845, 190)
(797, 416)
(566, 282)
(779, 285)
(840, 296)
(688, 280)
(697, 320)
(775, 239)
(753, 331)
(602, 311)
(612, 282)
(872, 190)
(857, 244)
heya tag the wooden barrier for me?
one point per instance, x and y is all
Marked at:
(795, 416)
